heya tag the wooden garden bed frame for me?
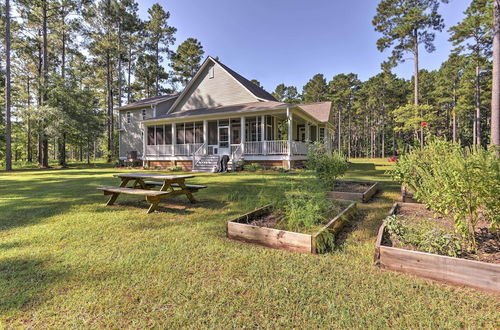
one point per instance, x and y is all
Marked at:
(476, 274)
(239, 229)
(354, 196)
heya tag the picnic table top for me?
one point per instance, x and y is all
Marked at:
(152, 176)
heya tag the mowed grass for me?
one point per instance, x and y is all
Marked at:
(68, 261)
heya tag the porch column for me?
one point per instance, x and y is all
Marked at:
(243, 134)
(144, 144)
(308, 132)
(275, 128)
(263, 134)
(205, 136)
(174, 139)
(289, 117)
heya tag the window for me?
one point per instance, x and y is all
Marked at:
(253, 129)
(151, 135)
(212, 132)
(198, 132)
(312, 133)
(322, 134)
(168, 134)
(179, 129)
(211, 72)
(159, 135)
(189, 132)
(235, 131)
(129, 117)
(143, 114)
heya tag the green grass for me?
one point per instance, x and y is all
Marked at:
(68, 261)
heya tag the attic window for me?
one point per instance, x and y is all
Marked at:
(211, 72)
(128, 117)
(143, 114)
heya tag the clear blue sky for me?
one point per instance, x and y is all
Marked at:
(288, 41)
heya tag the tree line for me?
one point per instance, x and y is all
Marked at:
(69, 63)
(385, 114)
(66, 64)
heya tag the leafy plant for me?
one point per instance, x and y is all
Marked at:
(176, 168)
(329, 166)
(423, 237)
(253, 167)
(464, 184)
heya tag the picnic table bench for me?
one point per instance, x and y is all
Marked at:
(170, 185)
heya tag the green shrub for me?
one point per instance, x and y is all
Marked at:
(329, 166)
(176, 168)
(422, 237)
(464, 184)
(253, 167)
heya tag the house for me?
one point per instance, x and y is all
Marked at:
(221, 112)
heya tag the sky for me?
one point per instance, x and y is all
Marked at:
(289, 41)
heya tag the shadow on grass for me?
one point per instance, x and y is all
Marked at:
(25, 282)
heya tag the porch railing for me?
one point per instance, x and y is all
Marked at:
(277, 147)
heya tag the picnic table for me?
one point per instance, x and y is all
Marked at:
(170, 185)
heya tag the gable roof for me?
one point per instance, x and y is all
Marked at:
(319, 110)
(258, 92)
(148, 102)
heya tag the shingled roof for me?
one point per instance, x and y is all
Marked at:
(149, 101)
(319, 110)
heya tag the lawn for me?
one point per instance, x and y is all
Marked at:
(66, 260)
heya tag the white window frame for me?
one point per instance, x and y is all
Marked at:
(128, 116)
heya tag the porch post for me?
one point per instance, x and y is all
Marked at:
(174, 139)
(205, 136)
(308, 132)
(144, 144)
(289, 117)
(263, 134)
(243, 134)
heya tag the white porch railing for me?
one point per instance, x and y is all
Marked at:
(299, 148)
(277, 147)
(159, 150)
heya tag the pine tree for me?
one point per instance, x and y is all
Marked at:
(473, 38)
(316, 89)
(8, 142)
(187, 60)
(159, 36)
(495, 97)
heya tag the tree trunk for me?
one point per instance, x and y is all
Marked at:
(119, 65)
(62, 150)
(88, 152)
(477, 115)
(416, 82)
(495, 95)
(129, 71)
(45, 68)
(339, 142)
(110, 107)
(8, 141)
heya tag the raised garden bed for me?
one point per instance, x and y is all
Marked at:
(256, 227)
(461, 271)
(407, 195)
(360, 191)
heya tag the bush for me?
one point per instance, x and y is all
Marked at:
(329, 166)
(176, 168)
(432, 240)
(253, 167)
(464, 184)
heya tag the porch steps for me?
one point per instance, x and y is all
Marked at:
(208, 163)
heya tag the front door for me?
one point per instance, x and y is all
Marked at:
(223, 140)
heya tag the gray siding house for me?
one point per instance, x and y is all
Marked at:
(220, 112)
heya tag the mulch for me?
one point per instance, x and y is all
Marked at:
(355, 187)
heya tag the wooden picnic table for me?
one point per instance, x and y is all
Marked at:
(170, 185)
